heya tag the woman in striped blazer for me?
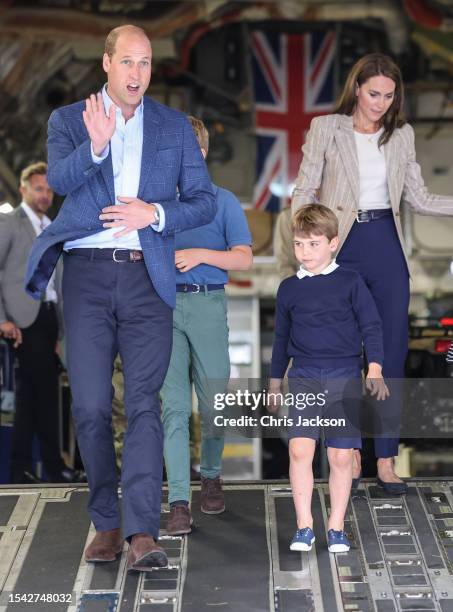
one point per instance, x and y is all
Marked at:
(361, 163)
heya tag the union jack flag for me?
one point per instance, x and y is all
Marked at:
(293, 81)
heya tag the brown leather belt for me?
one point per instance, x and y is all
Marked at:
(116, 255)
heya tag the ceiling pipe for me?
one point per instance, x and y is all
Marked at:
(384, 10)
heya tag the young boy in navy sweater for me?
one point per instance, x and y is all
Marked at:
(323, 316)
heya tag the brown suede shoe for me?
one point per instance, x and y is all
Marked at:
(144, 554)
(104, 547)
(212, 497)
(180, 521)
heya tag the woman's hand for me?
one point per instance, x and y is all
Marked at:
(274, 394)
(375, 382)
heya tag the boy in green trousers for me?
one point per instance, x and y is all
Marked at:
(200, 348)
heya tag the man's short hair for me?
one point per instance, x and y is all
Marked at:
(31, 170)
(201, 132)
(113, 35)
(316, 220)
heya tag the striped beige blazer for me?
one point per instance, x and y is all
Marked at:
(329, 174)
(287, 263)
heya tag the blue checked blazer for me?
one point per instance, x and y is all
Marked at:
(171, 159)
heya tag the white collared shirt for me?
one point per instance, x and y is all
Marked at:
(302, 272)
(39, 224)
(126, 146)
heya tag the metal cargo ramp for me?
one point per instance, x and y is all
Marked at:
(401, 557)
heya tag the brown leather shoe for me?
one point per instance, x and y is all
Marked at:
(179, 521)
(144, 554)
(212, 497)
(104, 547)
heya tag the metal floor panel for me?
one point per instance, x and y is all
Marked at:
(401, 557)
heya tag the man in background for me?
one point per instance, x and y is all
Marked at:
(34, 329)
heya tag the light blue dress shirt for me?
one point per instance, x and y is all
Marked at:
(126, 147)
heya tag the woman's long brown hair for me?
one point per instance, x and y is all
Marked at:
(371, 65)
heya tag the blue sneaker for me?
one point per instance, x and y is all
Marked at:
(303, 539)
(337, 541)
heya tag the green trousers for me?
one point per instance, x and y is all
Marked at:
(199, 356)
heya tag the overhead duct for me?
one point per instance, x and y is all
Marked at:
(75, 25)
(385, 10)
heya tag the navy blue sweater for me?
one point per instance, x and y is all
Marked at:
(322, 321)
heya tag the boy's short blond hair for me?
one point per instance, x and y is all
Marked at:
(201, 132)
(315, 219)
(31, 170)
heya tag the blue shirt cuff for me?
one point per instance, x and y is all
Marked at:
(98, 159)
(160, 227)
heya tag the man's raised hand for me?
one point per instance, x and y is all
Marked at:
(100, 126)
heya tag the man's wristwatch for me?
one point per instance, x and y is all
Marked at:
(156, 216)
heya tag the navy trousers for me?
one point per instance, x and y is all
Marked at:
(109, 308)
(374, 250)
(341, 389)
(37, 398)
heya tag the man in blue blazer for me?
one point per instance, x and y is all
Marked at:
(119, 158)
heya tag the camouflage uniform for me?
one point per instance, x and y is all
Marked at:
(119, 421)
